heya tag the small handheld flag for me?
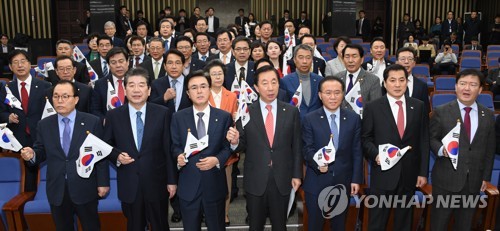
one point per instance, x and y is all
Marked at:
(297, 97)
(248, 91)
(48, 110)
(93, 76)
(46, 68)
(92, 151)
(451, 144)
(242, 112)
(193, 145)
(247, 30)
(354, 98)
(112, 98)
(287, 56)
(390, 155)
(8, 140)
(235, 88)
(77, 54)
(325, 155)
(11, 100)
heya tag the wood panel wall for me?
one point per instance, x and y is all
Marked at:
(31, 17)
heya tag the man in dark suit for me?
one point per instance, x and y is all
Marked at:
(401, 121)
(303, 21)
(203, 42)
(242, 68)
(494, 79)
(182, 21)
(202, 180)
(272, 145)
(448, 26)
(118, 65)
(379, 62)
(23, 122)
(319, 64)
(474, 45)
(281, 23)
(303, 60)
(67, 192)
(472, 27)
(291, 29)
(369, 83)
(194, 17)
(146, 174)
(154, 65)
(138, 49)
(124, 27)
(110, 31)
(212, 22)
(201, 26)
(363, 27)
(166, 28)
(224, 45)
(405, 29)
(100, 65)
(65, 70)
(65, 48)
(185, 46)
(416, 88)
(347, 169)
(4, 52)
(170, 90)
(476, 151)
(240, 21)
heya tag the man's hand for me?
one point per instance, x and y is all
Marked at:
(207, 163)
(445, 153)
(125, 159)
(323, 169)
(102, 191)
(354, 189)
(421, 181)
(483, 186)
(181, 161)
(296, 183)
(172, 189)
(13, 118)
(169, 94)
(233, 136)
(27, 153)
(377, 159)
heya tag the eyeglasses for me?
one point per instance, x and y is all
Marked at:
(217, 74)
(104, 45)
(184, 48)
(242, 49)
(65, 69)
(402, 59)
(470, 84)
(63, 97)
(20, 62)
(332, 93)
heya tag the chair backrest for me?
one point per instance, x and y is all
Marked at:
(470, 63)
(494, 54)
(442, 98)
(366, 47)
(44, 59)
(493, 48)
(41, 193)
(421, 69)
(320, 40)
(332, 53)
(445, 84)
(11, 179)
(495, 175)
(367, 58)
(393, 58)
(356, 40)
(492, 63)
(323, 46)
(486, 100)
(471, 53)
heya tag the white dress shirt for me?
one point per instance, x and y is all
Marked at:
(228, 57)
(217, 98)
(210, 24)
(410, 84)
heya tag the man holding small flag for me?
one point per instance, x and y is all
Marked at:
(400, 121)
(58, 143)
(476, 150)
(319, 128)
(66, 48)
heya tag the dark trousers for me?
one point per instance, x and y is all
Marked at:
(272, 203)
(63, 215)
(378, 216)
(142, 211)
(315, 217)
(440, 216)
(214, 212)
(444, 68)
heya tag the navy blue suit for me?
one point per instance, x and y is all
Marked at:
(196, 65)
(100, 96)
(84, 96)
(142, 184)
(291, 82)
(346, 169)
(202, 190)
(118, 42)
(159, 87)
(421, 92)
(232, 73)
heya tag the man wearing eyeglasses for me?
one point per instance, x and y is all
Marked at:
(58, 144)
(65, 47)
(224, 40)
(416, 88)
(242, 69)
(100, 65)
(23, 122)
(185, 46)
(203, 43)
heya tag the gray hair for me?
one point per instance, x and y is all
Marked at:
(138, 71)
(302, 47)
(109, 24)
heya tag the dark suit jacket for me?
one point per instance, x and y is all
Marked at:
(118, 42)
(281, 40)
(285, 154)
(196, 56)
(213, 57)
(291, 82)
(196, 65)
(379, 127)
(369, 84)
(281, 25)
(366, 28)
(193, 182)
(61, 169)
(132, 59)
(232, 73)
(84, 96)
(319, 65)
(305, 23)
(445, 27)
(81, 74)
(237, 20)
(348, 165)
(36, 103)
(148, 65)
(153, 167)
(365, 64)
(469, 47)
(475, 159)
(100, 95)
(421, 92)
(96, 65)
(159, 87)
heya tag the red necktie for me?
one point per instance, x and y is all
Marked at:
(270, 124)
(137, 61)
(401, 119)
(121, 94)
(467, 121)
(24, 102)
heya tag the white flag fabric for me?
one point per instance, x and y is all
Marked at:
(92, 151)
(112, 100)
(194, 146)
(287, 56)
(355, 99)
(11, 100)
(77, 54)
(248, 92)
(242, 112)
(247, 30)
(325, 155)
(48, 110)
(296, 100)
(317, 54)
(93, 76)
(451, 144)
(46, 68)
(287, 37)
(8, 140)
(390, 155)
(235, 88)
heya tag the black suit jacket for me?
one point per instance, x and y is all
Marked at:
(232, 73)
(100, 96)
(299, 23)
(365, 28)
(61, 169)
(81, 74)
(132, 59)
(379, 127)
(118, 42)
(285, 154)
(281, 40)
(159, 87)
(237, 21)
(96, 65)
(196, 56)
(84, 96)
(148, 65)
(420, 92)
(210, 58)
(153, 167)
(445, 27)
(281, 25)
(365, 64)
(196, 65)
(36, 103)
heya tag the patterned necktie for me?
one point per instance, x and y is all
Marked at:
(137, 61)
(166, 46)
(467, 121)
(105, 70)
(270, 124)
(204, 58)
(24, 102)
(335, 131)
(242, 74)
(224, 57)
(401, 119)
(121, 93)
(349, 86)
(140, 129)
(157, 69)
(66, 139)
(173, 83)
(200, 126)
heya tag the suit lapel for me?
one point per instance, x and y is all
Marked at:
(191, 122)
(256, 112)
(314, 90)
(127, 125)
(213, 122)
(342, 127)
(410, 114)
(280, 120)
(387, 111)
(480, 121)
(14, 89)
(33, 95)
(55, 133)
(78, 134)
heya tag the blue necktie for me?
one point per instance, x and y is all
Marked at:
(105, 70)
(166, 46)
(140, 129)
(172, 84)
(66, 140)
(350, 85)
(335, 131)
(200, 127)
(204, 58)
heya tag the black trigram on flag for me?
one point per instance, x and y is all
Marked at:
(297, 93)
(112, 92)
(88, 149)
(456, 135)
(193, 146)
(50, 110)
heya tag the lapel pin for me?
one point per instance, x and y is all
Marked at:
(216, 120)
(36, 86)
(411, 108)
(321, 117)
(344, 118)
(82, 124)
(284, 109)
